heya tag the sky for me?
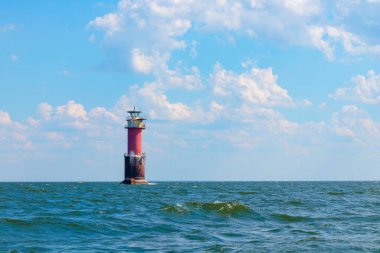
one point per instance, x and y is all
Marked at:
(232, 90)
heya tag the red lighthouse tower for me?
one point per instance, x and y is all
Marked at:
(134, 160)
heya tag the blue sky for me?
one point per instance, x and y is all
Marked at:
(233, 90)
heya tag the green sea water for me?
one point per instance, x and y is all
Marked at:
(190, 217)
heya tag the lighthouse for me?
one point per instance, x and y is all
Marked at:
(134, 159)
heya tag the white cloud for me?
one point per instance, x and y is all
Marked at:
(215, 106)
(45, 111)
(257, 86)
(193, 50)
(306, 102)
(5, 119)
(160, 26)
(366, 89)
(154, 26)
(7, 27)
(265, 119)
(177, 79)
(62, 126)
(247, 129)
(13, 135)
(351, 43)
(140, 62)
(323, 105)
(355, 123)
(103, 113)
(317, 35)
(65, 73)
(57, 139)
(33, 122)
(224, 91)
(172, 111)
(148, 63)
(110, 22)
(72, 114)
(13, 57)
(329, 38)
(71, 110)
(303, 7)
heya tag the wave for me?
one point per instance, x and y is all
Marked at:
(178, 208)
(247, 193)
(336, 193)
(222, 208)
(37, 190)
(295, 202)
(289, 218)
(17, 222)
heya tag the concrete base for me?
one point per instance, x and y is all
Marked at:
(134, 181)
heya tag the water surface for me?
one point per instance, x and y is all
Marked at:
(190, 217)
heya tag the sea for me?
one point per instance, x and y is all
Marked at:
(190, 217)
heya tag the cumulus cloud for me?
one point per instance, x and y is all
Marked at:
(61, 126)
(5, 119)
(303, 7)
(143, 31)
(161, 26)
(174, 111)
(12, 133)
(72, 114)
(71, 110)
(142, 63)
(110, 22)
(328, 38)
(317, 35)
(45, 111)
(366, 89)
(146, 33)
(154, 101)
(356, 124)
(257, 86)
(103, 113)
(265, 119)
(224, 90)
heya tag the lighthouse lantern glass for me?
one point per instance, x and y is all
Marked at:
(134, 114)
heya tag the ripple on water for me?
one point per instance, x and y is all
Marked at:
(255, 216)
(16, 222)
(302, 231)
(289, 218)
(248, 193)
(222, 208)
(178, 208)
(337, 193)
(216, 248)
(37, 190)
(295, 202)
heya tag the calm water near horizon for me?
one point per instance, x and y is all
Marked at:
(190, 217)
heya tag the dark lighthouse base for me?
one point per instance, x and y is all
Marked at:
(134, 181)
(134, 169)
